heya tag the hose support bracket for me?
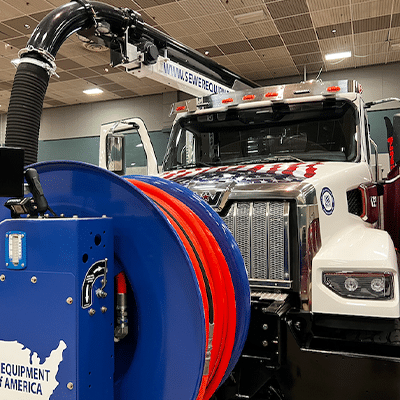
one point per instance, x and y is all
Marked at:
(49, 65)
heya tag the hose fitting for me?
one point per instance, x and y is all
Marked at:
(121, 327)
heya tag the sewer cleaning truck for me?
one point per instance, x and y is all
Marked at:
(260, 264)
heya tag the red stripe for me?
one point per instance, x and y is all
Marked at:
(168, 176)
(256, 168)
(291, 169)
(273, 169)
(184, 173)
(310, 170)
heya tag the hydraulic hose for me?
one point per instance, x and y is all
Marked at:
(37, 65)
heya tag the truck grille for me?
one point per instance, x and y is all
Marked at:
(261, 230)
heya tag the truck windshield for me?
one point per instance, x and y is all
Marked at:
(315, 131)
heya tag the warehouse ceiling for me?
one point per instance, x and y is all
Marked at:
(259, 39)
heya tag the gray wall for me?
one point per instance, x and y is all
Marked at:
(86, 149)
(85, 119)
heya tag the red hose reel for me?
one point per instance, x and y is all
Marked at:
(214, 281)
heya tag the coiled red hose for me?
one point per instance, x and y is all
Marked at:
(199, 242)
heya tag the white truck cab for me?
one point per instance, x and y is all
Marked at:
(290, 171)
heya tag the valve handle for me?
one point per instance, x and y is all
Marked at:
(32, 178)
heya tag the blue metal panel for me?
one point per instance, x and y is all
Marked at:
(163, 355)
(41, 305)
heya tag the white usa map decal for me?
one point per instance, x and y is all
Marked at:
(23, 376)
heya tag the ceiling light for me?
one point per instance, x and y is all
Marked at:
(337, 56)
(249, 17)
(93, 91)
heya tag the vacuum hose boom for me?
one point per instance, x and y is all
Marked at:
(36, 65)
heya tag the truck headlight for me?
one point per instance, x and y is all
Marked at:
(360, 285)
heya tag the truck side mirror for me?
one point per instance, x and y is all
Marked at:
(115, 153)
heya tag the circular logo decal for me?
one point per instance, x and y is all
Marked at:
(327, 201)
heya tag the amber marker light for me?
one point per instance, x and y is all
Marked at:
(332, 89)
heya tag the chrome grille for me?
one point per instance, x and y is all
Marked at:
(242, 229)
(259, 244)
(276, 243)
(261, 230)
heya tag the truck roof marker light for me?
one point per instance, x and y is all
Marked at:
(271, 94)
(248, 97)
(226, 101)
(333, 89)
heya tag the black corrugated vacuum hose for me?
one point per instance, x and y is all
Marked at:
(34, 70)
(25, 109)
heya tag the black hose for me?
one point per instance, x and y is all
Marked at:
(72, 17)
(32, 76)
(25, 109)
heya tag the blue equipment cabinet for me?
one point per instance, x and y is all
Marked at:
(52, 261)
(57, 308)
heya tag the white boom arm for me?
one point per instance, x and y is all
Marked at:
(172, 74)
